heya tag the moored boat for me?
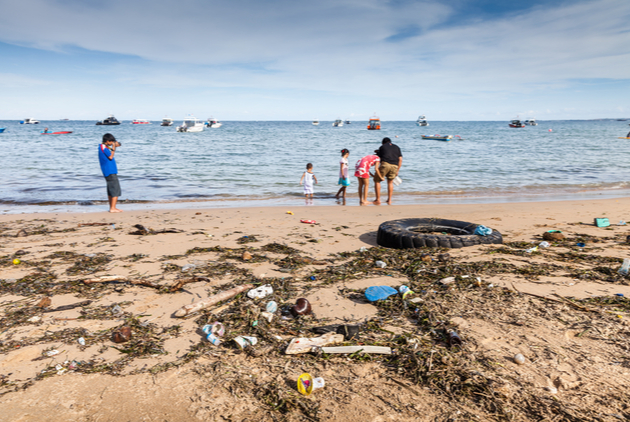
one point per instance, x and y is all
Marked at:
(531, 122)
(167, 121)
(422, 121)
(191, 124)
(516, 123)
(374, 123)
(30, 121)
(2, 129)
(140, 122)
(445, 138)
(213, 123)
(347, 122)
(338, 123)
(48, 132)
(110, 121)
(316, 122)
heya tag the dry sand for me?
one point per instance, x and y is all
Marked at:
(576, 350)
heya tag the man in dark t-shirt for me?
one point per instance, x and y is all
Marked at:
(391, 161)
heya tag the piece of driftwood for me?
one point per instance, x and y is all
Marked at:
(305, 345)
(68, 307)
(94, 224)
(363, 349)
(212, 300)
(143, 231)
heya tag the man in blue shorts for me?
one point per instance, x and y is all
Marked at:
(108, 166)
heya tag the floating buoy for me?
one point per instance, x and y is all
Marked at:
(550, 130)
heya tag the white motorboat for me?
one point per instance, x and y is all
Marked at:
(531, 122)
(338, 123)
(30, 121)
(422, 121)
(213, 123)
(167, 121)
(191, 124)
(316, 122)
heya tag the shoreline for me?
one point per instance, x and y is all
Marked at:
(320, 200)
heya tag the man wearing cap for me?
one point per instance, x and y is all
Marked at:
(106, 153)
(391, 161)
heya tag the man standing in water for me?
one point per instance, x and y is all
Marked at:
(106, 153)
(391, 161)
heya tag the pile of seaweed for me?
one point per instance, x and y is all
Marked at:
(464, 376)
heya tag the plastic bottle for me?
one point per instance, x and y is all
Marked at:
(625, 267)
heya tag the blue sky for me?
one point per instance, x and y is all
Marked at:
(299, 60)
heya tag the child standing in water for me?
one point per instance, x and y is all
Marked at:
(344, 181)
(308, 178)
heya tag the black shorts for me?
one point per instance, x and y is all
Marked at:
(113, 187)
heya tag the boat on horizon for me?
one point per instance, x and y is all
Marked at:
(29, 121)
(110, 121)
(347, 122)
(422, 121)
(191, 124)
(316, 122)
(338, 123)
(374, 123)
(531, 122)
(167, 121)
(213, 123)
(516, 123)
(2, 129)
(140, 122)
(50, 132)
(444, 138)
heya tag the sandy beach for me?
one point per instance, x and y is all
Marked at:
(560, 307)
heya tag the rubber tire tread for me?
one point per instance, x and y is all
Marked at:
(397, 234)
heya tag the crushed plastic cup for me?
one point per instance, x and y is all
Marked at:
(380, 264)
(405, 291)
(271, 307)
(621, 223)
(530, 250)
(306, 384)
(81, 341)
(245, 341)
(544, 244)
(260, 292)
(213, 339)
(625, 267)
(362, 249)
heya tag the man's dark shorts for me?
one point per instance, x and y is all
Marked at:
(113, 187)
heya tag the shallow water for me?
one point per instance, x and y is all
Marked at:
(260, 163)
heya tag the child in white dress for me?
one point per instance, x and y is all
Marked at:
(308, 177)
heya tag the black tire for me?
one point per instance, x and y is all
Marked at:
(412, 233)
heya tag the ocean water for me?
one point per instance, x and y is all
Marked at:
(260, 163)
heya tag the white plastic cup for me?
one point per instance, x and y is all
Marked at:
(544, 244)
(625, 267)
(397, 181)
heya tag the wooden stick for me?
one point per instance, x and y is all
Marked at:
(212, 300)
(363, 349)
(305, 345)
(105, 279)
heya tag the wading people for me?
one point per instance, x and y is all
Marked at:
(362, 173)
(106, 152)
(391, 161)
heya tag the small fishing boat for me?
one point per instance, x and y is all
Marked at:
(213, 123)
(191, 124)
(48, 132)
(338, 123)
(110, 121)
(422, 121)
(517, 123)
(2, 129)
(445, 138)
(316, 122)
(30, 121)
(531, 122)
(347, 122)
(167, 121)
(140, 122)
(374, 123)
